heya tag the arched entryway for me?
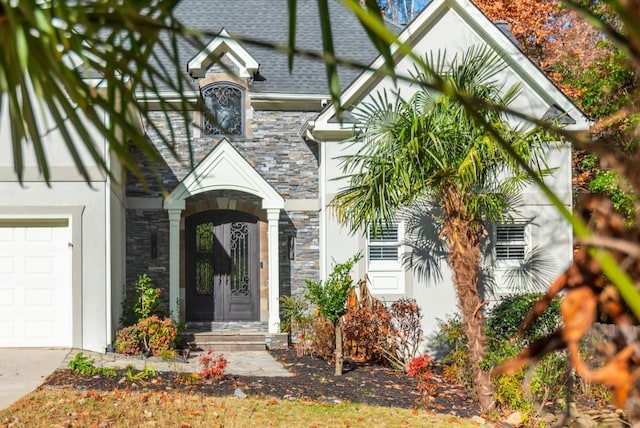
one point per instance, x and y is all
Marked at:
(222, 266)
(224, 169)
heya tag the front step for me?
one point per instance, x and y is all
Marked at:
(228, 340)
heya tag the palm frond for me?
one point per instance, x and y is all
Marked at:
(535, 273)
(65, 67)
(409, 149)
(426, 252)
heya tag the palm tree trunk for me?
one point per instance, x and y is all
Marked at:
(464, 239)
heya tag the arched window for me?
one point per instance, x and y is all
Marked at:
(224, 103)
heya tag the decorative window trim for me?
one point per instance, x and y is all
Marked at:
(511, 243)
(238, 126)
(385, 250)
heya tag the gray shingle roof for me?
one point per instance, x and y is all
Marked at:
(268, 20)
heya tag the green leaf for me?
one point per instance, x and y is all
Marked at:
(293, 10)
(328, 54)
(372, 23)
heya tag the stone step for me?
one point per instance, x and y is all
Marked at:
(227, 337)
(230, 346)
(232, 326)
(235, 340)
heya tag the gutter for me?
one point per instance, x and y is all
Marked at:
(259, 100)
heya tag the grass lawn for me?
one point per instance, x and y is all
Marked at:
(68, 407)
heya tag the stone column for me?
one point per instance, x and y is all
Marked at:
(174, 261)
(273, 228)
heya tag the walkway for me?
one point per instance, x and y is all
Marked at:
(240, 363)
(23, 370)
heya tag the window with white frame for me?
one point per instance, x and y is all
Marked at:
(510, 242)
(384, 246)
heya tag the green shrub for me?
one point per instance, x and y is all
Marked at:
(83, 365)
(589, 161)
(509, 393)
(450, 337)
(331, 296)
(499, 351)
(294, 314)
(550, 376)
(611, 184)
(503, 322)
(133, 375)
(505, 319)
(148, 297)
(144, 303)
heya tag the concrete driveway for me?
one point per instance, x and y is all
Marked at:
(24, 369)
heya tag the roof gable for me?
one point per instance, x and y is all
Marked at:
(223, 45)
(473, 27)
(224, 169)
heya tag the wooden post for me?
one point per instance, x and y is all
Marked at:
(339, 356)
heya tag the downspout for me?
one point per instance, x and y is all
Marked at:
(107, 197)
(307, 134)
(323, 211)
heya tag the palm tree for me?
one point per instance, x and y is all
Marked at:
(431, 148)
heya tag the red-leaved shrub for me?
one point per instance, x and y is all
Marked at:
(212, 366)
(420, 369)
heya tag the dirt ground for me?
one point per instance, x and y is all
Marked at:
(313, 380)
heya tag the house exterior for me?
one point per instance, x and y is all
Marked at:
(250, 221)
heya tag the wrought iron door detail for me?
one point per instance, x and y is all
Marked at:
(222, 266)
(239, 249)
(204, 255)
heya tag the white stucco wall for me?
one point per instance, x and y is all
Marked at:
(87, 206)
(89, 303)
(118, 258)
(453, 31)
(62, 167)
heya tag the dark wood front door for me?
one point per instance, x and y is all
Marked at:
(222, 266)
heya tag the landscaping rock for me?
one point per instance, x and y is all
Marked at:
(478, 420)
(515, 419)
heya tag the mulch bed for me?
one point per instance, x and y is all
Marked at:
(313, 380)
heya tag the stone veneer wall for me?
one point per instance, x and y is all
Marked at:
(305, 226)
(276, 151)
(140, 225)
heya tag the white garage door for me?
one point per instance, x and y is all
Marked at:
(35, 283)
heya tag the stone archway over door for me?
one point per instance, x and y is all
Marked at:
(222, 262)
